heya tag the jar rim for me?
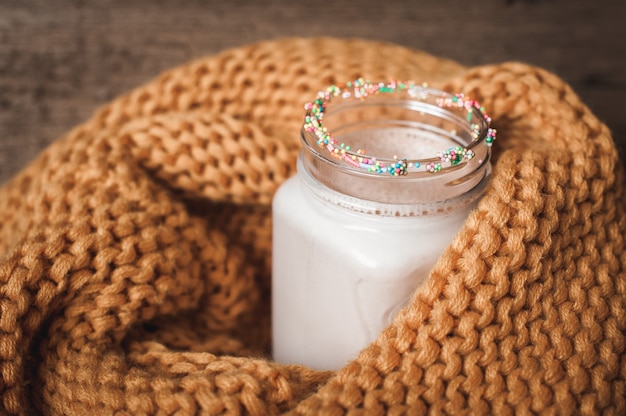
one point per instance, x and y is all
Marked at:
(319, 140)
(370, 115)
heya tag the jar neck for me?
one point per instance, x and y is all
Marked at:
(413, 124)
(426, 208)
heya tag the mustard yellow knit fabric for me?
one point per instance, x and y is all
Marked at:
(135, 254)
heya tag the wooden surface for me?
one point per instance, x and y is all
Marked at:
(62, 59)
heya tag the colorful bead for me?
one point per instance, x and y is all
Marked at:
(359, 88)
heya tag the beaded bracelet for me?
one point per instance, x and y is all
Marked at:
(361, 89)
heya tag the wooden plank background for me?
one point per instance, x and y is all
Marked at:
(62, 59)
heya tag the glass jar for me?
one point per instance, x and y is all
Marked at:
(354, 235)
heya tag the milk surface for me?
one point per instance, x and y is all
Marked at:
(339, 276)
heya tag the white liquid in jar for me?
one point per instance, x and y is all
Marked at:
(339, 276)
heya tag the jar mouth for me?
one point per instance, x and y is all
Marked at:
(422, 145)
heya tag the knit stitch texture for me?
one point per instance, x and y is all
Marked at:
(135, 253)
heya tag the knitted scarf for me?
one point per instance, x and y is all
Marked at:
(135, 253)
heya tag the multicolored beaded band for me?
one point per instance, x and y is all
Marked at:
(361, 89)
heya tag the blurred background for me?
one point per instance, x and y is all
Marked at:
(62, 59)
